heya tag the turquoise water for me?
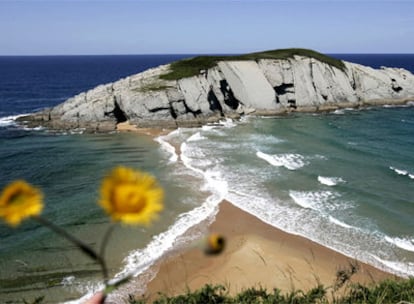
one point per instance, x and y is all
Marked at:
(68, 169)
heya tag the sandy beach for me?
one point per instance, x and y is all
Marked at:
(256, 255)
(152, 132)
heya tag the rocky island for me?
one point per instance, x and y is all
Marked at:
(204, 89)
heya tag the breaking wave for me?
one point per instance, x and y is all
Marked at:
(330, 181)
(321, 201)
(403, 243)
(339, 223)
(402, 172)
(9, 120)
(288, 160)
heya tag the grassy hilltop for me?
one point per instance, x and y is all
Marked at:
(192, 66)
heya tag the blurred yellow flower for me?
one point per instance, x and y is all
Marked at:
(130, 196)
(18, 201)
(215, 244)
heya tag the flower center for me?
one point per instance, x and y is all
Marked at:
(128, 199)
(16, 198)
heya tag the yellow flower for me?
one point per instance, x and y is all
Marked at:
(18, 201)
(215, 244)
(130, 196)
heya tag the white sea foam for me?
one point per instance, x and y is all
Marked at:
(139, 261)
(228, 123)
(330, 181)
(288, 160)
(196, 137)
(302, 199)
(407, 105)
(39, 128)
(339, 223)
(87, 288)
(403, 243)
(195, 160)
(208, 127)
(343, 111)
(401, 268)
(77, 131)
(402, 172)
(322, 201)
(172, 134)
(189, 156)
(9, 120)
(399, 171)
(167, 147)
(339, 111)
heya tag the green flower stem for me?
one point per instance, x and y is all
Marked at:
(105, 240)
(111, 287)
(81, 245)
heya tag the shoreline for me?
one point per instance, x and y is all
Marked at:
(256, 255)
(37, 119)
(156, 128)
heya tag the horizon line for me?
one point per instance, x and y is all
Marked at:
(178, 54)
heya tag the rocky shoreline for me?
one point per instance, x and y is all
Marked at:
(230, 89)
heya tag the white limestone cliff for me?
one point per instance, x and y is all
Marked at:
(231, 88)
(249, 84)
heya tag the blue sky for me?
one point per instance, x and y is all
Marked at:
(36, 27)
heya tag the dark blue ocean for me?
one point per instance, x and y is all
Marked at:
(348, 185)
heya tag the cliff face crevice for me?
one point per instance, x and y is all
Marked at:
(229, 99)
(231, 88)
(116, 113)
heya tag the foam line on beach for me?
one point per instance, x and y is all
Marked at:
(397, 267)
(403, 243)
(175, 236)
(196, 137)
(299, 222)
(167, 147)
(324, 203)
(256, 253)
(340, 223)
(216, 181)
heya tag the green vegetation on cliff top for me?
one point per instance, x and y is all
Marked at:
(192, 66)
(386, 292)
